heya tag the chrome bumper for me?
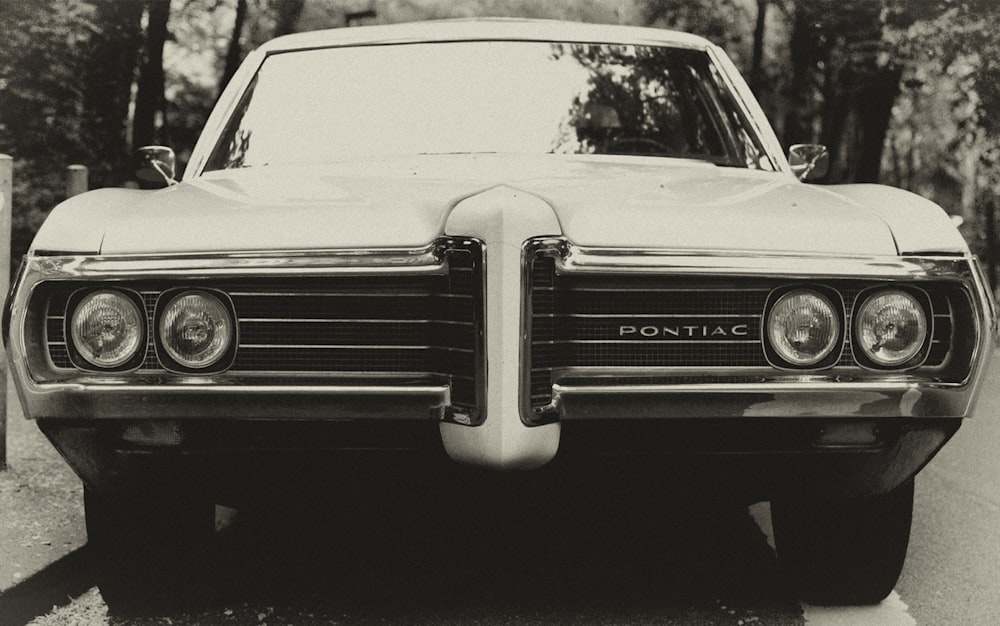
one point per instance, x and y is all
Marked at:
(788, 399)
(231, 401)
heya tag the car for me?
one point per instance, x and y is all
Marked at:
(521, 246)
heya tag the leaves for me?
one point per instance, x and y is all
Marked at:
(67, 67)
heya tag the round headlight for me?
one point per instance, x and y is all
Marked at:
(107, 328)
(196, 329)
(891, 327)
(803, 327)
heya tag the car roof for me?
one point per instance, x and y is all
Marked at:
(484, 29)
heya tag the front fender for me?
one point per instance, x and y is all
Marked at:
(77, 226)
(918, 225)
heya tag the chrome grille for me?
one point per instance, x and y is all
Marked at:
(576, 322)
(363, 327)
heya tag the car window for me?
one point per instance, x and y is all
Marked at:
(485, 97)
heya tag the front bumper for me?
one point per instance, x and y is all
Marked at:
(236, 462)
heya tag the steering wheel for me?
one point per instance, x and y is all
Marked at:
(638, 145)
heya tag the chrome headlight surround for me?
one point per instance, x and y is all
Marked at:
(121, 315)
(208, 317)
(892, 316)
(803, 328)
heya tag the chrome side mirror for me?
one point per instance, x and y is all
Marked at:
(809, 161)
(155, 166)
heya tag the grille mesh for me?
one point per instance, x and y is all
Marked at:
(688, 322)
(408, 326)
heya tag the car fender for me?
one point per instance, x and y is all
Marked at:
(918, 225)
(77, 225)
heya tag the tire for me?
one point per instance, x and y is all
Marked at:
(844, 552)
(149, 552)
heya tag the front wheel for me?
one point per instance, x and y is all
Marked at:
(149, 550)
(844, 552)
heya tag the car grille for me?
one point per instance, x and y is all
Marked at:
(364, 328)
(576, 322)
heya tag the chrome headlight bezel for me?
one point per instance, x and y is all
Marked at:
(133, 307)
(171, 359)
(915, 357)
(830, 354)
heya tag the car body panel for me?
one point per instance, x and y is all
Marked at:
(404, 202)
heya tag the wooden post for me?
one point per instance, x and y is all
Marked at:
(990, 215)
(6, 192)
(76, 180)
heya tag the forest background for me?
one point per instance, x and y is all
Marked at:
(903, 92)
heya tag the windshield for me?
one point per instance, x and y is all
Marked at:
(332, 104)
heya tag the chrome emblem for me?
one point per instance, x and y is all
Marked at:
(685, 331)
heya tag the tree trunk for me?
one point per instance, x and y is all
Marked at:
(286, 15)
(757, 82)
(802, 50)
(111, 65)
(149, 98)
(874, 114)
(235, 54)
(838, 103)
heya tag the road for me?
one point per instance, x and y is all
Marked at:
(521, 557)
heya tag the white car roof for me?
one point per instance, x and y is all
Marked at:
(486, 29)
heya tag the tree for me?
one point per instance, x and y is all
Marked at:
(112, 59)
(42, 57)
(150, 100)
(235, 54)
(757, 57)
(286, 15)
(844, 83)
(722, 22)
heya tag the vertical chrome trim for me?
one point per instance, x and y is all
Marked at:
(532, 249)
(477, 248)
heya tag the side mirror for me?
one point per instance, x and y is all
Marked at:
(809, 161)
(155, 166)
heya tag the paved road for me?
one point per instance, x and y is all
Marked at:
(542, 558)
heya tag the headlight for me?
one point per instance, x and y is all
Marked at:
(107, 328)
(891, 327)
(803, 327)
(196, 329)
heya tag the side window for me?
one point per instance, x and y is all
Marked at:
(231, 151)
(746, 146)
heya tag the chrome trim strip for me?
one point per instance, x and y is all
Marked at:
(647, 315)
(316, 320)
(650, 290)
(791, 400)
(306, 346)
(331, 294)
(640, 342)
(769, 375)
(750, 263)
(426, 260)
(198, 400)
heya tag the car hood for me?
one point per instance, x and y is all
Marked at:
(623, 202)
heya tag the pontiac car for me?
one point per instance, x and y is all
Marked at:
(524, 246)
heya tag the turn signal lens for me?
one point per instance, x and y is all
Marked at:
(107, 328)
(196, 329)
(803, 327)
(891, 327)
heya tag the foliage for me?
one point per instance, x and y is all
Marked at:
(725, 22)
(901, 90)
(42, 56)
